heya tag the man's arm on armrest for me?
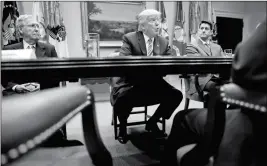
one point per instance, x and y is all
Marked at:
(126, 47)
(191, 50)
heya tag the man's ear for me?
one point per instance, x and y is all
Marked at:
(20, 30)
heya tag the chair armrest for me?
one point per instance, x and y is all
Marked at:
(183, 150)
(234, 94)
(28, 120)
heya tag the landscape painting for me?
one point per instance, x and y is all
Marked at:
(112, 19)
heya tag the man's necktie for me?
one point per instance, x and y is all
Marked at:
(33, 50)
(208, 47)
(150, 48)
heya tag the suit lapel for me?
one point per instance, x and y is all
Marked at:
(40, 50)
(141, 42)
(213, 49)
(20, 46)
(204, 48)
(156, 49)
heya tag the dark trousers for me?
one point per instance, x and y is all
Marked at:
(243, 142)
(212, 83)
(164, 94)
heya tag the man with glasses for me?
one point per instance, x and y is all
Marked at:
(29, 30)
(139, 88)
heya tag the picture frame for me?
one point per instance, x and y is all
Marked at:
(109, 20)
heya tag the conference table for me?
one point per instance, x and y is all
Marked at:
(74, 68)
(32, 70)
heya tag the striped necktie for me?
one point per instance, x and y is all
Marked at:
(208, 47)
(150, 47)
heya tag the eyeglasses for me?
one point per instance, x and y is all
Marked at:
(32, 25)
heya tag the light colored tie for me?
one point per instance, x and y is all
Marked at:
(208, 47)
(150, 47)
(33, 51)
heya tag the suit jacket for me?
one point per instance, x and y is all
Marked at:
(199, 49)
(134, 45)
(42, 50)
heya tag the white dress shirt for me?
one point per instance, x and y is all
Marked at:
(27, 46)
(207, 43)
(146, 40)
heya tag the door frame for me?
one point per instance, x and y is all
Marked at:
(229, 14)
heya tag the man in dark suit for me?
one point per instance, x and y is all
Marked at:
(202, 46)
(138, 88)
(29, 31)
(236, 149)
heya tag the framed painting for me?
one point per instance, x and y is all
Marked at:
(111, 20)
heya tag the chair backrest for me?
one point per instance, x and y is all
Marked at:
(215, 124)
(30, 119)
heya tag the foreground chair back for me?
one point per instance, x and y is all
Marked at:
(28, 120)
(200, 154)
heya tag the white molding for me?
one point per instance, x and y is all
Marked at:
(225, 13)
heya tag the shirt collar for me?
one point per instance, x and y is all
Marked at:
(147, 38)
(207, 42)
(25, 44)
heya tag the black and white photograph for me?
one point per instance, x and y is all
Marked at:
(133, 83)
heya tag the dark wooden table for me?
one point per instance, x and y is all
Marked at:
(73, 68)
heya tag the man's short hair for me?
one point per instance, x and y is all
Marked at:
(206, 22)
(21, 20)
(145, 15)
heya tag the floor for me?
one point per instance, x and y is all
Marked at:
(104, 113)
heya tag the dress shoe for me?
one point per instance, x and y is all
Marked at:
(62, 143)
(123, 137)
(154, 129)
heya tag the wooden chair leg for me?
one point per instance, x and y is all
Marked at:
(115, 125)
(164, 125)
(112, 119)
(186, 105)
(145, 113)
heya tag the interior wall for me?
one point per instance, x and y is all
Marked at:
(253, 13)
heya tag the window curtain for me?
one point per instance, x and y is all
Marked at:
(48, 14)
(199, 11)
(10, 14)
(179, 43)
(164, 24)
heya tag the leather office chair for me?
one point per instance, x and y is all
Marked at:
(201, 153)
(30, 119)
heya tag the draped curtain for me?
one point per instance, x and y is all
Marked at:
(164, 24)
(48, 14)
(198, 11)
(10, 14)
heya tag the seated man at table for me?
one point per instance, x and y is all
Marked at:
(29, 31)
(204, 47)
(236, 149)
(139, 88)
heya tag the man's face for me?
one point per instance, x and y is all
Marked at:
(204, 31)
(30, 29)
(152, 26)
